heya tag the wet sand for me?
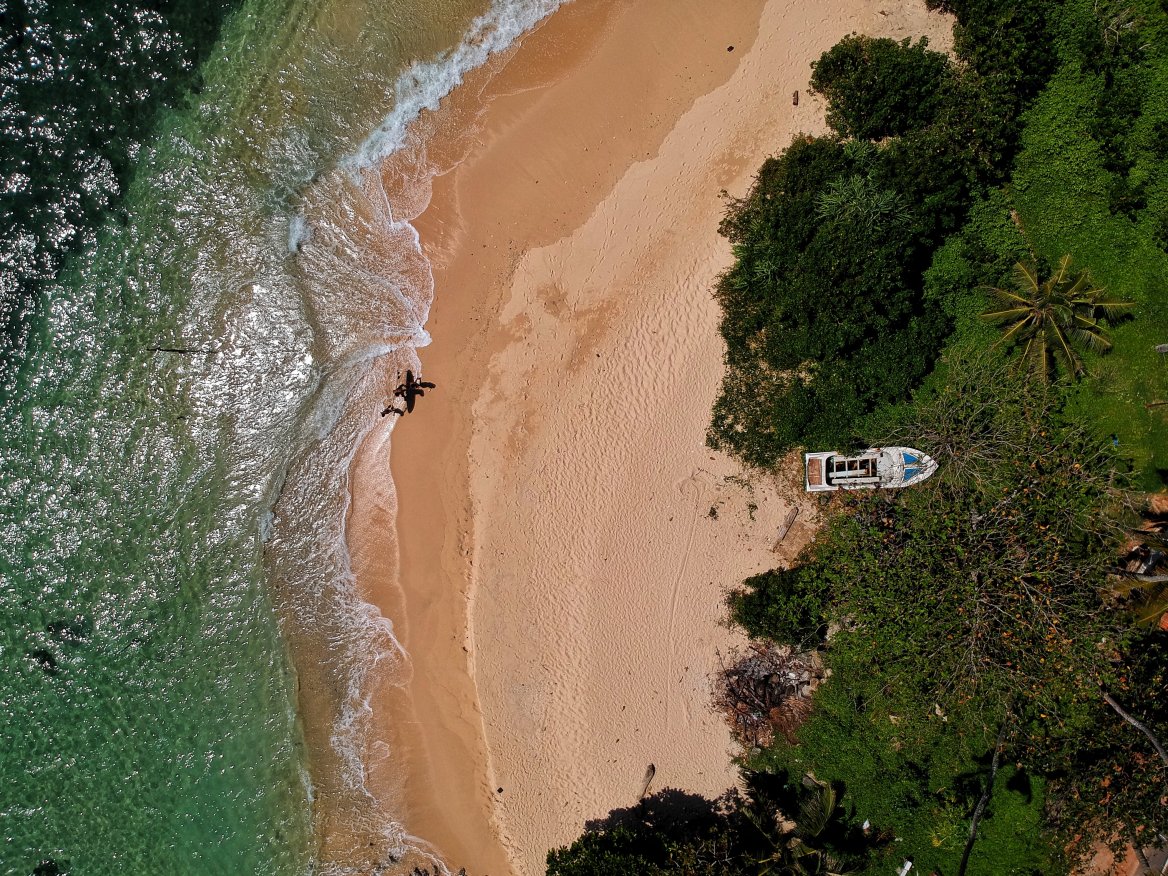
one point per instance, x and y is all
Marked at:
(564, 537)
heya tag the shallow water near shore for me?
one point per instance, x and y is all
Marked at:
(179, 423)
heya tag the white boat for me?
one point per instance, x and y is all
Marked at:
(885, 468)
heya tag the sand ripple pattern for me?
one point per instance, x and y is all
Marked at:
(605, 531)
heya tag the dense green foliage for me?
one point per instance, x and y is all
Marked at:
(1013, 518)
(979, 604)
(785, 605)
(985, 583)
(946, 603)
(776, 826)
(972, 613)
(826, 314)
(1006, 45)
(880, 88)
(1089, 181)
(920, 788)
(1104, 198)
(1112, 772)
(806, 355)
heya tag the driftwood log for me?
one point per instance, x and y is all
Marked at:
(788, 522)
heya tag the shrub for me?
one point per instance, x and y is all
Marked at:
(774, 825)
(786, 606)
(620, 851)
(822, 311)
(1006, 45)
(881, 88)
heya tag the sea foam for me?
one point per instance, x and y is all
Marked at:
(423, 85)
(375, 255)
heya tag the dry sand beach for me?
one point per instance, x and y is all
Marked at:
(564, 537)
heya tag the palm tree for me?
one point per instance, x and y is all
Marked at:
(799, 849)
(1052, 318)
(1146, 596)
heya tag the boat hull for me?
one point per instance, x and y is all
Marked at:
(877, 468)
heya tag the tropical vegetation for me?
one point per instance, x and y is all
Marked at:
(992, 639)
(971, 613)
(1051, 320)
(776, 825)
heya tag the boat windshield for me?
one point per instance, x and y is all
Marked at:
(912, 467)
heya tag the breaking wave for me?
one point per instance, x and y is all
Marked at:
(367, 287)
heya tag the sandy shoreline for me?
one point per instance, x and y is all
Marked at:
(564, 536)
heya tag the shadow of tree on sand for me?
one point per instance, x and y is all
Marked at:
(670, 807)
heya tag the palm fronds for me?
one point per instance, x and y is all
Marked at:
(1145, 600)
(1053, 319)
(799, 849)
(859, 199)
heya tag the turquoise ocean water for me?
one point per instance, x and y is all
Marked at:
(208, 288)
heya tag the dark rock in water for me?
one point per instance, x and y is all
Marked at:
(75, 631)
(49, 867)
(46, 660)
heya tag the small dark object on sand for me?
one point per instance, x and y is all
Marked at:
(650, 773)
(729, 48)
(795, 99)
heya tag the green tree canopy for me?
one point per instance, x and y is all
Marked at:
(986, 583)
(878, 87)
(821, 311)
(824, 313)
(775, 825)
(980, 599)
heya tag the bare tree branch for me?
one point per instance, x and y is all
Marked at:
(1119, 710)
(979, 810)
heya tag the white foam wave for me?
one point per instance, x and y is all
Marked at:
(371, 289)
(424, 84)
(406, 853)
(299, 232)
(370, 636)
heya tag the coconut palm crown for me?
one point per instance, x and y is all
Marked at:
(1052, 319)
